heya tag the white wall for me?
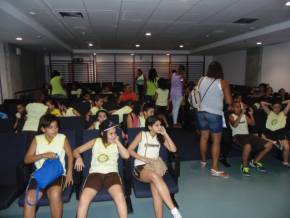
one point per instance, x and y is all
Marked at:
(276, 66)
(234, 66)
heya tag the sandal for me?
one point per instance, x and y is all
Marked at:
(203, 164)
(219, 174)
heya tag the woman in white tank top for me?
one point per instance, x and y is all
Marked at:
(48, 145)
(213, 90)
(149, 143)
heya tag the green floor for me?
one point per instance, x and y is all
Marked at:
(202, 196)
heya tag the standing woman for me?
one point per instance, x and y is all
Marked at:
(176, 93)
(151, 84)
(213, 90)
(57, 90)
(140, 83)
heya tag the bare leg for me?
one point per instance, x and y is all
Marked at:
(29, 210)
(246, 153)
(262, 154)
(204, 144)
(157, 202)
(215, 150)
(54, 194)
(117, 194)
(158, 182)
(285, 150)
(87, 196)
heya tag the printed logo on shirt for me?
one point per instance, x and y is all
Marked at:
(151, 145)
(274, 122)
(102, 158)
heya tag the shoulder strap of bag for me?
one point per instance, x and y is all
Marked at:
(207, 90)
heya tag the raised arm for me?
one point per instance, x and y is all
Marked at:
(265, 106)
(287, 108)
(168, 143)
(250, 118)
(122, 150)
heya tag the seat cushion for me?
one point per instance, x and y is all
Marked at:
(8, 194)
(66, 195)
(142, 190)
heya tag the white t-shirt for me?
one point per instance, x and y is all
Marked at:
(148, 147)
(162, 97)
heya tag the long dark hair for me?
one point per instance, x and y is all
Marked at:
(152, 75)
(215, 70)
(150, 122)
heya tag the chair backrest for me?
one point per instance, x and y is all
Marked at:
(73, 123)
(71, 136)
(6, 125)
(133, 132)
(12, 153)
(87, 156)
(260, 120)
(82, 107)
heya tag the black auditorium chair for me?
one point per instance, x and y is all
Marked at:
(103, 195)
(6, 125)
(12, 181)
(66, 195)
(142, 190)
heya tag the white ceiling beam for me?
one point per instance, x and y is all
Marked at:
(246, 36)
(14, 12)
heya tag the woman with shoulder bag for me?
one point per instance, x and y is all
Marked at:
(149, 167)
(213, 91)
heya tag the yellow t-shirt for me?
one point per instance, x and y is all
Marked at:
(56, 87)
(69, 112)
(56, 112)
(94, 110)
(276, 121)
(104, 159)
(56, 146)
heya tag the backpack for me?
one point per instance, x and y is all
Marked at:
(194, 98)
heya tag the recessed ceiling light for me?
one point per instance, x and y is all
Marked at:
(148, 34)
(207, 35)
(181, 46)
(90, 44)
(137, 45)
(287, 4)
(167, 54)
(39, 37)
(132, 54)
(259, 43)
(19, 38)
(32, 13)
(83, 33)
(95, 54)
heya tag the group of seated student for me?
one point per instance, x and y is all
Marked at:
(103, 172)
(273, 133)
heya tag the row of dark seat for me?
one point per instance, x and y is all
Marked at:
(16, 174)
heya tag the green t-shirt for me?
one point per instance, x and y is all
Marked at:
(56, 87)
(151, 87)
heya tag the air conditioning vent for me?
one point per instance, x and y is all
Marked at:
(66, 14)
(245, 20)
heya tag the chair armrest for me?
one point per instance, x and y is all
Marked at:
(174, 164)
(78, 179)
(127, 175)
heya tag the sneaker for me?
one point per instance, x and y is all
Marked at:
(175, 213)
(258, 166)
(246, 171)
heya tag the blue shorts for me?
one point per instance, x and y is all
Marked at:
(211, 122)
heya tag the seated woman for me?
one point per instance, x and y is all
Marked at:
(276, 127)
(239, 121)
(53, 108)
(128, 95)
(67, 110)
(103, 169)
(102, 115)
(149, 143)
(97, 105)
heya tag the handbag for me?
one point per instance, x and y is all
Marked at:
(156, 165)
(194, 97)
(50, 171)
